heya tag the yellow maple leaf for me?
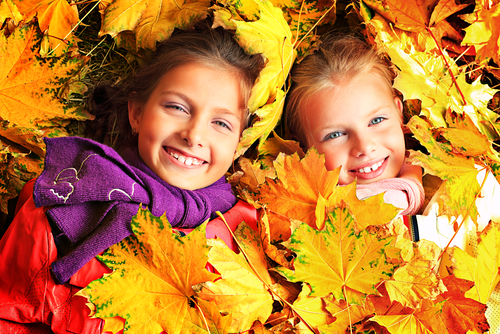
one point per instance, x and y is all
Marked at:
(483, 270)
(57, 19)
(311, 309)
(244, 288)
(9, 10)
(461, 186)
(275, 145)
(336, 258)
(154, 271)
(415, 280)
(346, 315)
(271, 37)
(151, 20)
(484, 32)
(27, 90)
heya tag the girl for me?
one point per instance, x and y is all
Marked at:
(186, 111)
(342, 103)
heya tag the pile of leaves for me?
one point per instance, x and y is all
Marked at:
(320, 260)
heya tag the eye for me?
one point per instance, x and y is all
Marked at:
(333, 135)
(377, 120)
(176, 108)
(222, 124)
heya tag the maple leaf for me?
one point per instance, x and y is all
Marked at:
(484, 32)
(370, 211)
(16, 168)
(151, 20)
(154, 271)
(244, 288)
(483, 269)
(460, 186)
(461, 314)
(27, 90)
(57, 19)
(9, 10)
(275, 145)
(294, 194)
(415, 280)
(271, 233)
(414, 15)
(346, 315)
(425, 320)
(311, 309)
(336, 258)
(271, 37)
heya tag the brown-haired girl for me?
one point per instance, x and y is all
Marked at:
(180, 119)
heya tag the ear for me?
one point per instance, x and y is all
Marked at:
(134, 114)
(399, 105)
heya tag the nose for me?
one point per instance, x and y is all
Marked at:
(362, 145)
(194, 133)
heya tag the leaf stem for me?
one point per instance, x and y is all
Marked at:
(260, 278)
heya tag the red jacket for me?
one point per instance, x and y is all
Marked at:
(31, 301)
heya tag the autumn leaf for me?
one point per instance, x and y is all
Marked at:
(346, 315)
(27, 90)
(151, 20)
(295, 193)
(336, 258)
(370, 211)
(461, 314)
(268, 117)
(415, 280)
(484, 32)
(425, 320)
(271, 37)
(9, 10)
(483, 269)
(275, 145)
(311, 309)
(460, 186)
(154, 271)
(57, 19)
(244, 288)
(16, 168)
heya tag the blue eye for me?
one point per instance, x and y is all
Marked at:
(222, 124)
(377, 120)
(176, 108)
(333, 135)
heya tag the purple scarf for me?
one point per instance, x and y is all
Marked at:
(93, 193)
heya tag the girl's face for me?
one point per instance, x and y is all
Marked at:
(358, 127)
(190, 126)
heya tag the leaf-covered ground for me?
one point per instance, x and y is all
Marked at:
(321, 261)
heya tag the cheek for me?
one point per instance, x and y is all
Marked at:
(332, 160)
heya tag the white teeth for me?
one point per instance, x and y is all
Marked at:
(186, 160)
(371, 168)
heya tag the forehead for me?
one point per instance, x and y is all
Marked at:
(347, 103)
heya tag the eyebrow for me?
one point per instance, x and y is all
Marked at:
(191, 102)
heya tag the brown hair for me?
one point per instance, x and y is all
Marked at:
(341, 59)
(213, 48)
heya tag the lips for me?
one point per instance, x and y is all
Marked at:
(184, 159)
(370, 171)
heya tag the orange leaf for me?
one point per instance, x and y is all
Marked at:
(154, 271)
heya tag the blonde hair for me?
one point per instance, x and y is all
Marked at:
(341, 59)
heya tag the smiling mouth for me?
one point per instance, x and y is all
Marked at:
(371, 168)
(189, 161)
